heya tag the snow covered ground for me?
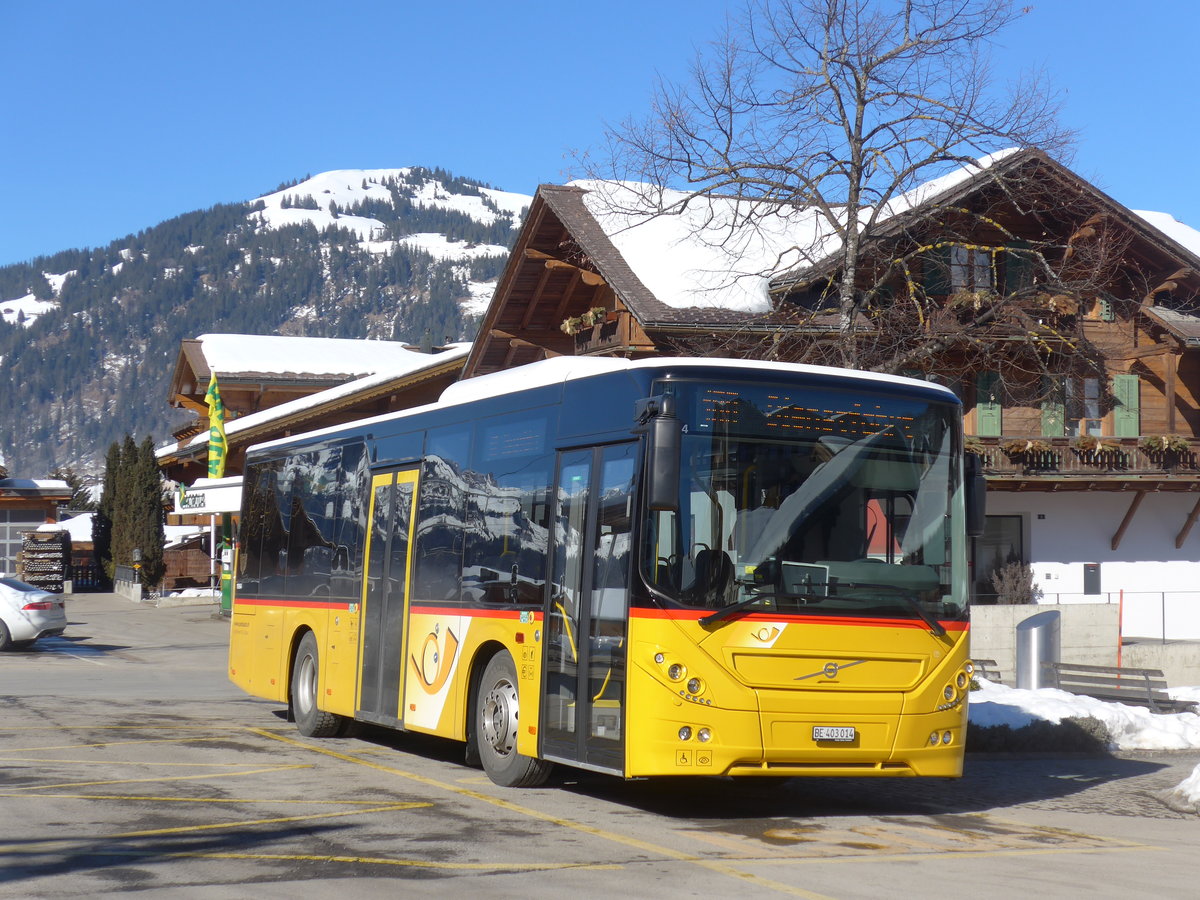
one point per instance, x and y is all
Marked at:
(1131, 727)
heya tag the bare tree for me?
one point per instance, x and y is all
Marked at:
(840, 108)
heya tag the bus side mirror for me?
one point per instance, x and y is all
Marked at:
(664, 441)
(976, 487)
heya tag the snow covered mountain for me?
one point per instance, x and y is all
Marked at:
(88, 337)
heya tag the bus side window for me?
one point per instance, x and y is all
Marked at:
(441, 513)
(506, 541)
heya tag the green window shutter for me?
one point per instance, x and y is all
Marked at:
(936, 274)
(1054, 412)
(1127, 418)
(988, 408)
(1018, 268)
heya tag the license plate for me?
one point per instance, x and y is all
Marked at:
(834, 733)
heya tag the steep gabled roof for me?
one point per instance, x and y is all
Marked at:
(585, 238)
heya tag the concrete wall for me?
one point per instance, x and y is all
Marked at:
(1089, 634)
(1156, 585)
(130, 590)
(1179, 660)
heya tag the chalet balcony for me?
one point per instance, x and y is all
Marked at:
(612, 333)
(1081, 463)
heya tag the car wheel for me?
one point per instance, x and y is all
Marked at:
(497, 717)
(6, 640)
(311, 721)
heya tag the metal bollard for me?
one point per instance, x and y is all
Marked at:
(1039, 639)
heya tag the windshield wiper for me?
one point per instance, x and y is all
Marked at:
(908, 597)
(726, 611)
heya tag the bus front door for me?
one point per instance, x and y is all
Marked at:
(583, 708)
(385, 596)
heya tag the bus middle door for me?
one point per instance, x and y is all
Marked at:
(385, 596)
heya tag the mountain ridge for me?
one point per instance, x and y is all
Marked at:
(88, 337)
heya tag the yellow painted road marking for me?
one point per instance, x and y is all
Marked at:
(71, 784)
(644, 846)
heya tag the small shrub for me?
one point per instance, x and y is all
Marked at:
(1013, 583)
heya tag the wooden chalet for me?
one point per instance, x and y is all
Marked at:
(1087, 383)
(315, 384)
(25, 504)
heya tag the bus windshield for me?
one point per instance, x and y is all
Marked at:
(809, 500)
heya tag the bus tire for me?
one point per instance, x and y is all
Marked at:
(306, 677)
(497, 717)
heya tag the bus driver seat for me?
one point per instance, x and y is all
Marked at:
(714, 573)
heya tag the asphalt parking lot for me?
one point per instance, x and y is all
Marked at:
(129, 764)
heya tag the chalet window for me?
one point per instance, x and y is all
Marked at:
(970, 269)
(1072, 406)
(1018, 267)
(1083, 407)
(949, 268)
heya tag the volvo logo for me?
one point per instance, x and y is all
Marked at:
(830, 670)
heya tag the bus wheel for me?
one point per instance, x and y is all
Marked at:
(306, 670)
(496, 721)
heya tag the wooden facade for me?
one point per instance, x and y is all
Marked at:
(259, 406)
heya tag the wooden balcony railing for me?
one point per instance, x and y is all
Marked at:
(1035, 457)
(613, 333)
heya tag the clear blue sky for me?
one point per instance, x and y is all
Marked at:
(116, 116)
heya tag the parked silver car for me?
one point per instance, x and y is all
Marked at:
(28, 613)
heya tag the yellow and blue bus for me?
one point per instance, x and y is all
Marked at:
(644, 568)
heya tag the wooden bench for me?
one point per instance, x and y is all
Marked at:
(987, 668)
(1136, 687)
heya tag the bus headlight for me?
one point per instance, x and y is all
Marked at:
(694, 686)
(948, 692)
(676, 672)
(685, 733)
(704, 735)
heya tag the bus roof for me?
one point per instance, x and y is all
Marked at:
(561, 369)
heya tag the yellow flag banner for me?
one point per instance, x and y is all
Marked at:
(218, 446)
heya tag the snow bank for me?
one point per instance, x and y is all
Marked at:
(1131, 727)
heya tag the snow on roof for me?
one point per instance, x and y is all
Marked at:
(1183, 234)
(925, 192)
(228, 353)
(704, 252)
(50, 485)
(415, 363)
(78, 527)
